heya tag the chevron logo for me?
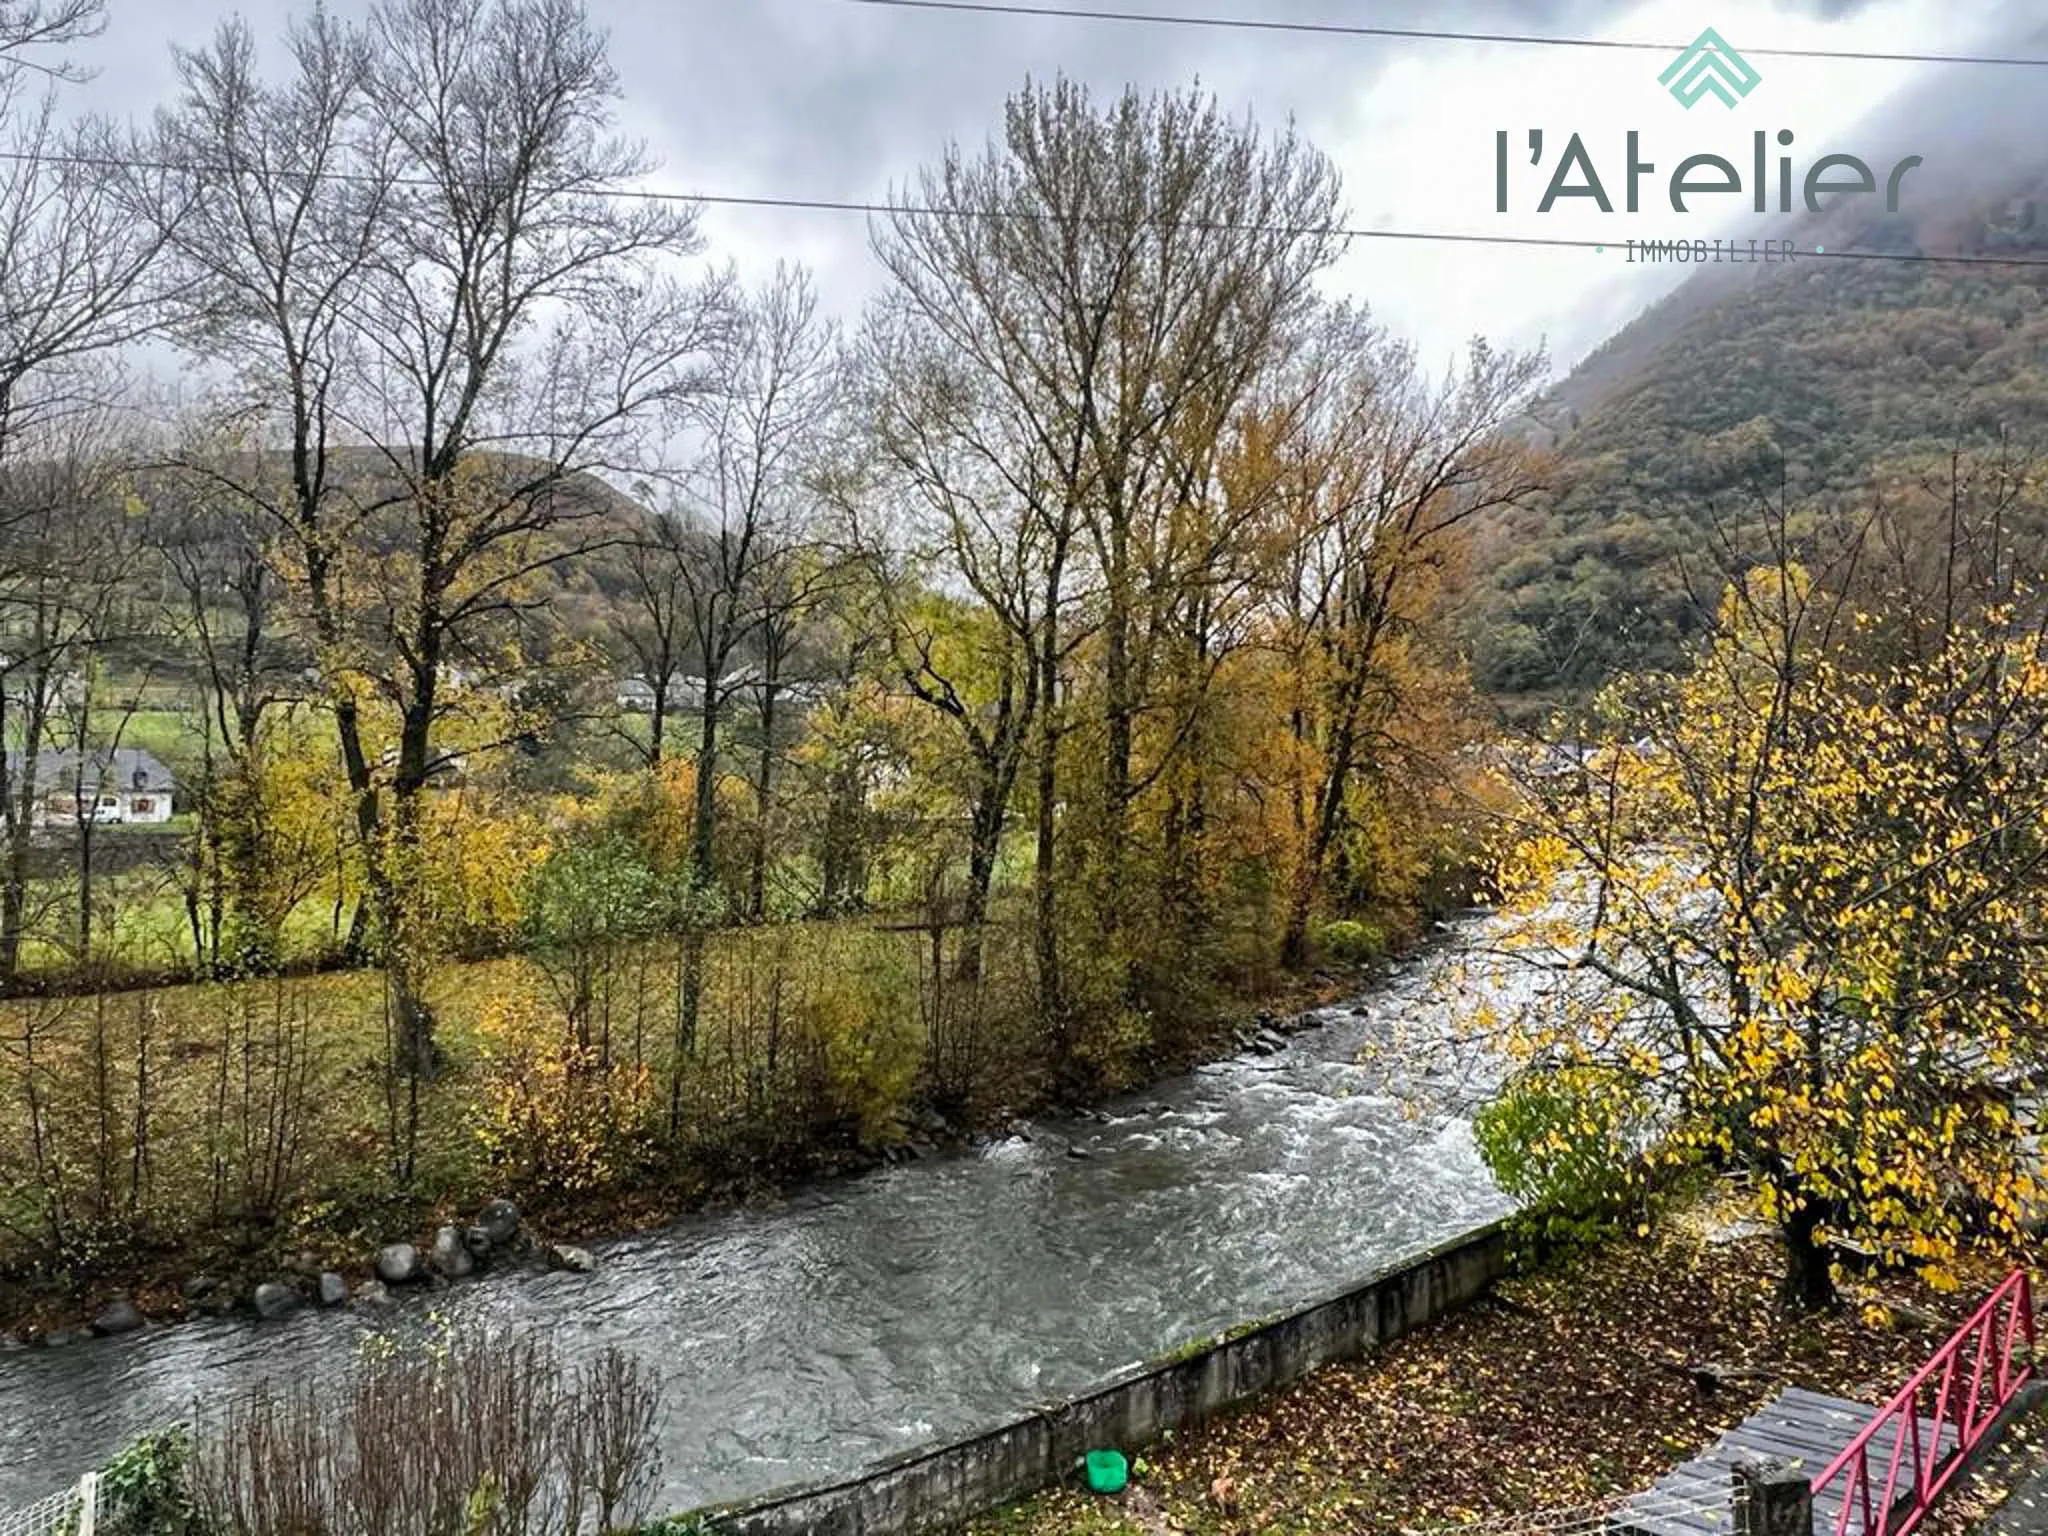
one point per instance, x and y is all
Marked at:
(1709, 68)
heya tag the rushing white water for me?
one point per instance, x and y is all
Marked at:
(908, 1305)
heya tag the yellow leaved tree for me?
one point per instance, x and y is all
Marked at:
(1791, 907)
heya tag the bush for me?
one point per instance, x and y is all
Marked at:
(1348, 942)
(558, 1116)
(145, 1490)
(480, 1433)
(1562, 1141)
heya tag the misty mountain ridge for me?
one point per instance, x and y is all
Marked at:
(1838, 372)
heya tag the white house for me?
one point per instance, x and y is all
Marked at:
(127, 785)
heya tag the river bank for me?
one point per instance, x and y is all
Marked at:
(53, 1310)
(809, 1336)
(1557, 1389)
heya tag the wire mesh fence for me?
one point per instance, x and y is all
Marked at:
(74, 1512)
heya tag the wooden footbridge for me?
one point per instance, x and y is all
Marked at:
(1810, 1465)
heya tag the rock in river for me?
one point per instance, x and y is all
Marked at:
(372, 1295)
(576, 1260)
(333, 1289)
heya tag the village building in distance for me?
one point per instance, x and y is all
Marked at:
(127, 786)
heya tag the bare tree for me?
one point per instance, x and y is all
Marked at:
(73, 286)
(420, 236)
(58, 502)
(233, 617)
(29, 29)
(652, 624)
(1111, 279)
(796, 588)
(286, 186)
(93, 713)
(743, 506)
(944, 437)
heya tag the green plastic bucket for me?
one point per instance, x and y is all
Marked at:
(1107, 1471)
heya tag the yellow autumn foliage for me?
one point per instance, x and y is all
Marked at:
(555, 1117)
(1793, 904)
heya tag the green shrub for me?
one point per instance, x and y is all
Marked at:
(1349, 942)
(1564, 1142)
(145, 1492)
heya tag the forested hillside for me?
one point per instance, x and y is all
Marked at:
(1828, 381)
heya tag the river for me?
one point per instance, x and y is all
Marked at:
(908, 1305)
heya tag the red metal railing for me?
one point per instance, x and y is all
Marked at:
(1957, 1394)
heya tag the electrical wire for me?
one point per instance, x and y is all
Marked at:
(1730, 244)
(1416, 34)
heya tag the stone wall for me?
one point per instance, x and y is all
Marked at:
(932, 1488)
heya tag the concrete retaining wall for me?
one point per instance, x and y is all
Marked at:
(925, 1489)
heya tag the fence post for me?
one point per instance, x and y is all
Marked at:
(88, 1503)
(1773, 1497)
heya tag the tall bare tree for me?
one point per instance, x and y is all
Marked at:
(75, 273)
(421, 236)
(1113, 277)
(235, 620)
(61, 505)
(942, 433)
(742, 507)
(286, 185)
(30, 29)
(651, 624)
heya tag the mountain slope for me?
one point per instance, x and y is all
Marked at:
(1834, 374)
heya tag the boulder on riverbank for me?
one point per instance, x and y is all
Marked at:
(208, 1296)
(499, 1221)
(274, 1299)
(449, 1258)
(333, 1289)
(117, 1317)
(398, 1264)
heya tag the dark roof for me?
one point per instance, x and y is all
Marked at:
(128, 768)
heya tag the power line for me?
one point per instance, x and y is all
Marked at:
(1414, 34)
(1729, 244)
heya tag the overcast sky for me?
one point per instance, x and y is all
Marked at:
(833, 99)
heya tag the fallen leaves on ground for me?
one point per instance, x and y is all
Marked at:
(1560, 1388)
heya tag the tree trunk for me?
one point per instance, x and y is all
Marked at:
(13, 904)
(85, 935)
(837, 857)
(1051, 1006)
(703, 825)
(406, 942)
(19, 825)
(689, 1002)
(658, 723)
(1808, 1284)
(1329, 816)
(764, 804)
(991, 808)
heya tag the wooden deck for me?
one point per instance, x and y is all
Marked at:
(1697, 1498)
